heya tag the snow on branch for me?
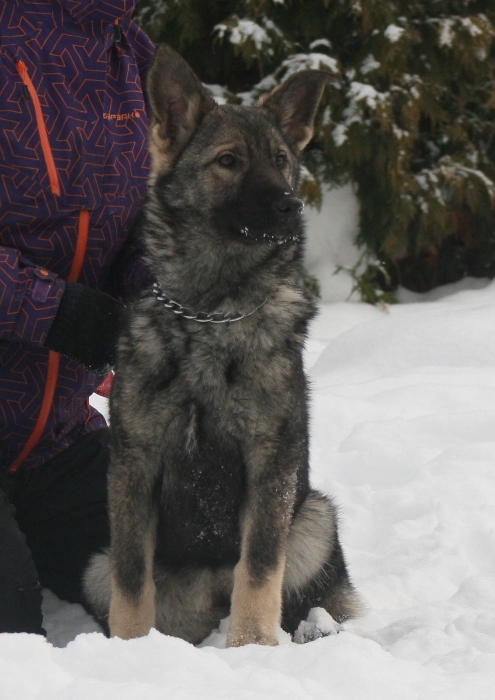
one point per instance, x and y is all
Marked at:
(308, 61)
(242, 32)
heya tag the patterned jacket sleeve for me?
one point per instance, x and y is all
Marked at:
(29, 299)
(130, 274)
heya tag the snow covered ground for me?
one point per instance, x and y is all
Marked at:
(403, 437)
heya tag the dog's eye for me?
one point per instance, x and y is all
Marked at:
(227, 160)
(281, 160)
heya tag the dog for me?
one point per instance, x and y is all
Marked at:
(211, 508)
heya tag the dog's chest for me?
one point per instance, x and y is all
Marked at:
(239, 372)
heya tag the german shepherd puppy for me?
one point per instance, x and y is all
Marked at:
(210, 504)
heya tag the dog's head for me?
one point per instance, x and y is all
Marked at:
(234, 167)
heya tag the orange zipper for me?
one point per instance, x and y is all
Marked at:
(81, 245)
(40, 121)
(54, 357)
(46, 405)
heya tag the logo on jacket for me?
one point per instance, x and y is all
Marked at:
(135, 114)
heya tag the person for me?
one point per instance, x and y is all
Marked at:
(73, 172)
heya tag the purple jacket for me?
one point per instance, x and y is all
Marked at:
(73, 150)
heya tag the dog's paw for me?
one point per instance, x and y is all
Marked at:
(218, 638)
(319, 624)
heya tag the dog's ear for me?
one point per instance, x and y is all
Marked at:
(295, 102)
(178, 103)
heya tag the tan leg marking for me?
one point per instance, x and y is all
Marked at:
(256, 607)
(128, 618)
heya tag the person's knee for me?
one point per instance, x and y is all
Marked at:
(20, 591)
(20, 610)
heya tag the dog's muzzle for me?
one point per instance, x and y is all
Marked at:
(287, 207)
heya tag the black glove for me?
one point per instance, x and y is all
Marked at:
(86, 327)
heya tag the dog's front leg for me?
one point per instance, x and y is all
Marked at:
(257, 594)
(256, 604)
(133, 525)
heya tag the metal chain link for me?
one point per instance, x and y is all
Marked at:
(178, 309)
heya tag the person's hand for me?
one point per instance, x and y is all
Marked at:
(86, 327)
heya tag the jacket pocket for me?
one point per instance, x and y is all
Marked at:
(32, 96)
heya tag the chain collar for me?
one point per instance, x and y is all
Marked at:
(178, 309)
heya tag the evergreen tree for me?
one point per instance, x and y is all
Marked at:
(409, 120)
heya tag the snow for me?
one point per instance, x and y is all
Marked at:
(402, 430)
(362, 92)
(461, 171)
(244, 30)
(308, 61)
(446, 32)
(339, 134)
(361, 96)
(330, 235)
(393, 33)
(320, 42)
(472, 28)
(369, 64)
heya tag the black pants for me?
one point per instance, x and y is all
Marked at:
(51, 520)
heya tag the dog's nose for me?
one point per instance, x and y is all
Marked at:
(287, 205)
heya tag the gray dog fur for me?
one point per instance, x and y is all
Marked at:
(210, 502)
